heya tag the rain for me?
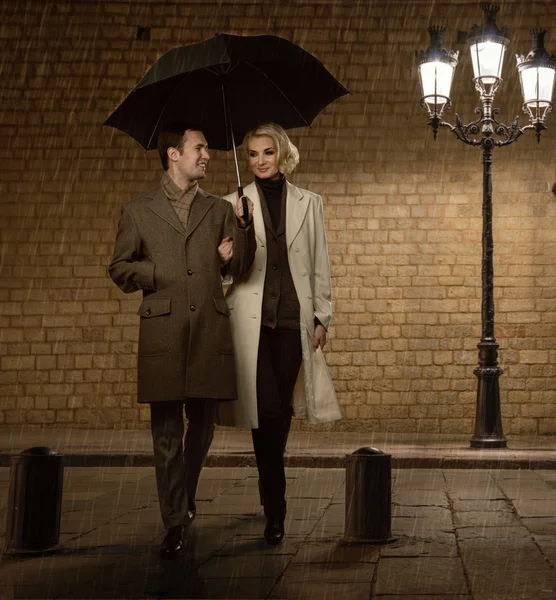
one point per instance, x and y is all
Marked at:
(404, 223)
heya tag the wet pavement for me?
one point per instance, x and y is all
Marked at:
(233, 447)
(473, 534)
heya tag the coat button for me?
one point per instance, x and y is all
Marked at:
(273, 296)
(304, 274)
(188, 237)
(192, 308)
(274, 267)
(297, 249)
(148, 311)
(189, 272)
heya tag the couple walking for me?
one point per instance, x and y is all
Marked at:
(251, 359)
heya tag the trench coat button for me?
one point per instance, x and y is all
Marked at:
(188, 238)
(192, 308)
(271, 319)
(274, 267)
(148, 311)
(303, 274)
(189, 272)
(273, 296)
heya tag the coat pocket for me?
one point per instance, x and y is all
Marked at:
(155, 328)
(223, 334)
(221, 306)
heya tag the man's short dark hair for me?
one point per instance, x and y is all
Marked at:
(172, 135)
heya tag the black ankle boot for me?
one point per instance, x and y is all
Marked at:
(189, 518)
(172, 545)
(274, 530)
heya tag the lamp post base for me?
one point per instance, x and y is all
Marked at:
(489, 442)
(488, 420)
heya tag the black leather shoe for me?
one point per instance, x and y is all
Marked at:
(172, 545)
(274, 531)
(189, 518)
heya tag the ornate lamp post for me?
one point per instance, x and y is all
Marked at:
(436, 66)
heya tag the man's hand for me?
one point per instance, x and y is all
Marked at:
(239, 210)
(225, 251)
(320, 337)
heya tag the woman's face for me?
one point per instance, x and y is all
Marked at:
(263, 157)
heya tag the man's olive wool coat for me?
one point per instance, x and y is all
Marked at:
(185, 344)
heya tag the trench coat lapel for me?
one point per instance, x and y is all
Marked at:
(258, 220)
(199, 208)
(296, 207)
(162, 207)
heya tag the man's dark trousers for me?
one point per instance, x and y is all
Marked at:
(178, 462)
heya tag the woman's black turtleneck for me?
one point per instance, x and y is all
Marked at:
(272, 192)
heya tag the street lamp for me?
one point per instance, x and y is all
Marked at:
(487, 46)
(436, 69)
(536, 74)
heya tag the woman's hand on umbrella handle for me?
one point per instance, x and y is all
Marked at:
(239, 210)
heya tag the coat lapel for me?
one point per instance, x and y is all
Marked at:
(296, 207)
(200, 206)
(162, 207)
(252, 193)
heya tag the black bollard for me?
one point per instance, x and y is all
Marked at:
(34, 502)
(368, 497)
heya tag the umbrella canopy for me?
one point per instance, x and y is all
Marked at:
(226, 86)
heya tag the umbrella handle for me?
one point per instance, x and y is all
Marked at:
(244, 202)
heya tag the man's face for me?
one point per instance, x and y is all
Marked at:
(191, 162)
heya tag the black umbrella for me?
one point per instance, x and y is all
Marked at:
(228, 85)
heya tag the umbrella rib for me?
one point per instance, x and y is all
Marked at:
(280, 90)
(179, 84)
(161, 113)
(214, 71)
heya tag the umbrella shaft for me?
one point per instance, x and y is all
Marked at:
(228, 120)
(235, 156)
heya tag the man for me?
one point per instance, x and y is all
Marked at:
(172, 244)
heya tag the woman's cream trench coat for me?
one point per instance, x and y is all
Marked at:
(314, 395)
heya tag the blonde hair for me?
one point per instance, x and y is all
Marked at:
(288, 155)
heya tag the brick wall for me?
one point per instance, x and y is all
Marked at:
(403, 213)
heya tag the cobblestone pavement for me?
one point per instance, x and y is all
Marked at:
(461, 534)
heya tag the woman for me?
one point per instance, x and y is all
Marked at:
(280, 312)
